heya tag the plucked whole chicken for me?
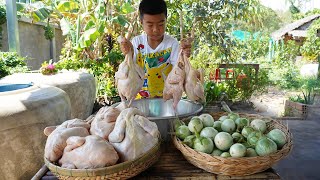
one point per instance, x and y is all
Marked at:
(57, 136)
(104, 121)
(88, 153)
(129, 78)
(194, 80)
(194, 83)
(174, 83)
(133, 134)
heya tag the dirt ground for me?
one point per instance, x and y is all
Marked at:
(272, 103)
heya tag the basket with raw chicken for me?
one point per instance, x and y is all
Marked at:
(231, 143)
(117, 143)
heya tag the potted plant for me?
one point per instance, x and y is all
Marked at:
(48, 68)
(299, 105)
(214, 93)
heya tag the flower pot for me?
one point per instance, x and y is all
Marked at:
(296, 109)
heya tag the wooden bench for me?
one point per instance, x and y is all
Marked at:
(172, 165)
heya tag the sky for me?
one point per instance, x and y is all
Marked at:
(282, 5)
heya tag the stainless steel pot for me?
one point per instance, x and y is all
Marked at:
(161, 112)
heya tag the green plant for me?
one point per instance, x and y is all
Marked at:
(12, 59)
(297, 98)
(240, 87)
(48, 31)
(205, 57)
(303, 15)
(48, 68)
(106, 87)
(213, 91)
(269, 21)
(308, 86)
(252, 48)
(3, 19)
(11, 63)
(283, 71)
(103, 70)
(212, 22)
(245, 83)
(311, 47)
(91, 29)
(294, 9)
(3, 69)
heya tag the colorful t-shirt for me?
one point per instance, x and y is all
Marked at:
(157, 63)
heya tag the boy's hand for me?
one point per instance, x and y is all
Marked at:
(125, 45)
(186, 45)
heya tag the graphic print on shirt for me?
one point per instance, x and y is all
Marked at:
(157, 67)
(140, 60)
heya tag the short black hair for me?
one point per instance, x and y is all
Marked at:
(152, 7)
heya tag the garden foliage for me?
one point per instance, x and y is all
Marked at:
(11, 63)
(91, 28)
(311, 47)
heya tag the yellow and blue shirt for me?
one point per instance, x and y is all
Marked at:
(157, 63)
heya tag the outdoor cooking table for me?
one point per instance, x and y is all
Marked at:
(172, 165)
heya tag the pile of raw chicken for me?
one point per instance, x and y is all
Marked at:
(118, 134)
(113, 135)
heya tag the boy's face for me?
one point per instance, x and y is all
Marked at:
(154, 26)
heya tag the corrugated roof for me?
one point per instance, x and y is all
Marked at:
(298, 33)
(277, 35)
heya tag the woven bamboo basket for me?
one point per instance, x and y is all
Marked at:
(123, 170)
(236, 166)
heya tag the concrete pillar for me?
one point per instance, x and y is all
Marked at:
(12, 26)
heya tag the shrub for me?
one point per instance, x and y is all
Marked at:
(11, 62)
(311, 47)
(103, 69)
(308, 86)
(283, 71)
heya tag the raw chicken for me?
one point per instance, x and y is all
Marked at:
(129, 78)
(90, 118)
(57, 136)
(174, 84)
(194, 81)
(88, 153)
(104, 120)
(133, 134)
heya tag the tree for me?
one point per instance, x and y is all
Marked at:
(269, 21)
(311, 47)
(212, 21)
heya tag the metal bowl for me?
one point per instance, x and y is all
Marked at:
(161, 112)
(157, 109)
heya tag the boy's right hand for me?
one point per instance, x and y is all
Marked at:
(186, 45)
(125, 45)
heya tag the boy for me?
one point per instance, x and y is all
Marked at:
(154, 51)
